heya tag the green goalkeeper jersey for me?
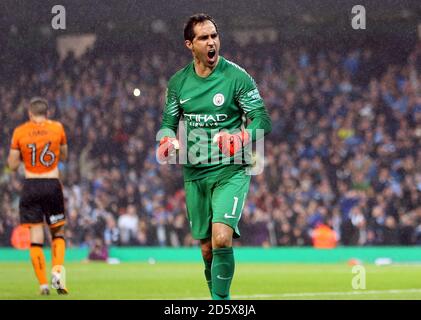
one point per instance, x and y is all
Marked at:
(223, 100)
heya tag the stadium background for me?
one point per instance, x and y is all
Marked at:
(345, 106)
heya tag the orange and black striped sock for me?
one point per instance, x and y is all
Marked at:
(58, 250)
(38, 262)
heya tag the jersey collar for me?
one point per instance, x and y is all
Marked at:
(214, 72)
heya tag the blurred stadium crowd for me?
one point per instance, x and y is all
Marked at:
(344, 150)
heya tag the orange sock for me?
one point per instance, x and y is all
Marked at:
(58, 249)
(38, 262)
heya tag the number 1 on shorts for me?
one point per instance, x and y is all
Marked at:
(235, 206)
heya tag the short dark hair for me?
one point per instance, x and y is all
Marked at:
(38, 106)
(193, 20)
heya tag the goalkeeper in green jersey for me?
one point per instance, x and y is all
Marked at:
(214, 98)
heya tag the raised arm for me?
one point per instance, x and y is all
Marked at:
(252, 104)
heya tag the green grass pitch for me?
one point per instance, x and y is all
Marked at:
(186, 281)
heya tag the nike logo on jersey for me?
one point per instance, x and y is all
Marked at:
(184, 101)
(228, 216)
(222, 278)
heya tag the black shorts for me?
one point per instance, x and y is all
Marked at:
(42, 198)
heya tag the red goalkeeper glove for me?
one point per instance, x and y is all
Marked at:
(167, 148)
(230, 144)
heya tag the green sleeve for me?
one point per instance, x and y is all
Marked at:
(172, 112)
(250, 101)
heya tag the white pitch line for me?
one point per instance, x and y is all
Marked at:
(316, 294)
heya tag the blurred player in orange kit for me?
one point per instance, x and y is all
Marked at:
(40, 144)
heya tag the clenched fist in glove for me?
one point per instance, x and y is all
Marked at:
(230, 144)
(167, 148)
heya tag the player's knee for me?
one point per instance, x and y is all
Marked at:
(57, 232)
(221, 240)
(37, 238)
(37, 234)
(207, 251)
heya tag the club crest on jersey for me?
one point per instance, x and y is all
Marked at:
(218, 99)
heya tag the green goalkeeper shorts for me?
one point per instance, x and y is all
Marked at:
(216, 199)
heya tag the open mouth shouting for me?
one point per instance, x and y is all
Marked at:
(212, 56)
